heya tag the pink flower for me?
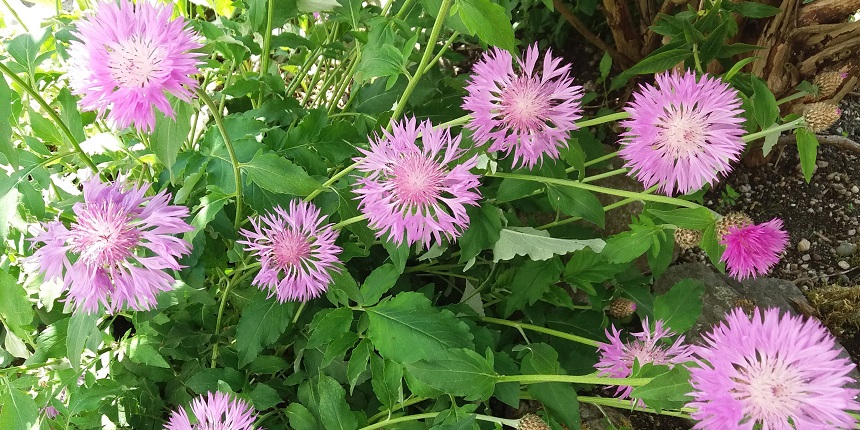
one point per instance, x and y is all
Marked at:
(753, 249)
(528, 112)
(215, 411)
(617, 357)
(128, 55)
(683, 133)
(294, 243)
(774, 372)
(416, 192)
(123, 245)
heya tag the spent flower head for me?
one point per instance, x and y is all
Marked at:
(214, 411)
(772, 372)
(121, 245)
(753, 249)
(296, 250)
(647, 347)
(416, 193)
(127, 56)
(527, 111)
(682, 133)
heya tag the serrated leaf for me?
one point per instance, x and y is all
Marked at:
(515, 189)
(626, 246)
(300, 417)
(276, 174)
(537, 244)
(387, 380)
(15, 308)
(209, 207)
(689, 218)
(578, 203)
(19, 410)
(358, 362)
(333, 409)
(587, 268)
(556, 397)
(378, 283)
(261, 323)
(489, 21)
(140, 351)
(81, 326)
(264, 397)
(462, 372)
(485, 223)
(667, 390)
(170, 134)
(530, 281)
(679, 308)
(408, 328)
(328, 325)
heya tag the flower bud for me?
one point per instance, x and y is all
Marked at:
(532, 422)
(733, 219)
(686, 238)
(621, 308)
(828, 83)
(820, 116)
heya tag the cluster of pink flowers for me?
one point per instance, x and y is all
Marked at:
(772, 371)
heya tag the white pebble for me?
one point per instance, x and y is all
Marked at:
(803, 245)
(843, 265)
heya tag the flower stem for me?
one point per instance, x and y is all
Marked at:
(606, 208)
(794, 96)
(599, 159)
(776, 128)
(331, 181)
(54, 116)
(441, 52)
(218, 322)
(455, 122)
(625, 404)
(401, 405)
(551, 332)
(425, 59)
(417, 417)
(604, 175)
(349, 221)
(267, 46)
(592, 379)
(603, 190)
(603, 119)
(219, 122)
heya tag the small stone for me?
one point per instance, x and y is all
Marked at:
(805, 257)
(821, 163)
(852, 232)
(843, 265)
(846, 249)
(855, 189)
(803, 245)
(816, 257)
(838, 187)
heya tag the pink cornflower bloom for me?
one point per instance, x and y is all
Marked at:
(753, 249)
(416, 193)
(296, 250)
(528, 111)
(617, 357)
(683, 132)
(127, 56)
(772, 372)
(215, 411)
(123, 243)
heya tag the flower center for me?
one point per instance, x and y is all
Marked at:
(524, 104)
(417, 180)
(104, 235)
(136, 62)
(290, 248)
(770, 388)
(646, 353)
(682, 131)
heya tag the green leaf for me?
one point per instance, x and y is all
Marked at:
(537, 244)
(711, 47)
(408, 328)
(70, 115)
(587, 268)
(485, 223)
(530, 281)
(737, 67)
(140, 351)
(19, 410)
(209, 207)
(515, 189)
(626, 246)
(754, 9)
(679, 308)
(170, 134)
(689, 218)
(462, 372)
(577, 202)
(654, 63)
(398, 254)
(712, 248)
(261, 324)
(278, 175)
(765, 109)
(25, 49)
(387, 380)
(6, 121)
(358, 362)
(300, 417)
(558, 398)
(207, 379)
(489, 21)
(605, 66)
(45, 129)
(807, 148)
(81, 326)
(379, 61)
(667, 390)
(328, 325)
(264, 397)
(661, 253)
(333, 409)
(378, 283)
(15, 308)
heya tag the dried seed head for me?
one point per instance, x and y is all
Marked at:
(533, 422)
(621, 308)
(686, 238)
(820, 116)
(828, 83)
(733, 219)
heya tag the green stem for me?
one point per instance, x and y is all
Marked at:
(267, 46)
(348, 221)
(218, 322)
(604, 175)
(345, 80)
(625, 404)
(418, 417)
(425, 59)
(54, 116)
(794, 96)
(544, 330)
(401, 405)
(603, 190)
(606, 208)
(299, 312)
(777, 128)
(455, 122)
(599, 159)
(442, 51)
(603, 119)
(331, 181)
(573, 379)
(15, 14)
(219, 122)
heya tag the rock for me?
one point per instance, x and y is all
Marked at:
(805, 257)
(843, 265)
(846, 249)
(852, 232)
(803, 245)
(855, 189)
